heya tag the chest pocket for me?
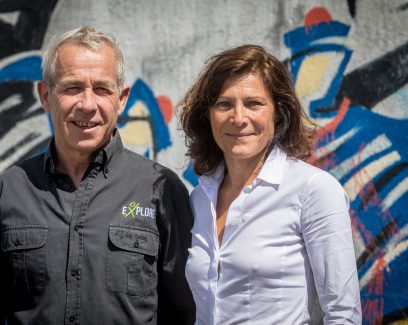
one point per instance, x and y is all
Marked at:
(25, 262)
(131, 263)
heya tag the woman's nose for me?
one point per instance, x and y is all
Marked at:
(238, 115)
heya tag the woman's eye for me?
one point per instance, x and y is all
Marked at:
(254, 104)
(223, 105)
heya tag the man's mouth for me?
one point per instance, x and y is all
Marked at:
(84, 125)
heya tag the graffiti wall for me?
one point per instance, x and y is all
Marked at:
(349, 62)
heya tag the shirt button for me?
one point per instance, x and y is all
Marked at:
(136, 244)
(72, 318)
(16, 242)
(76, 227)
(246, 190)
(67, 187)
(76, 273)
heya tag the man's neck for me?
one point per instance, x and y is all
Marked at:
(73, 164)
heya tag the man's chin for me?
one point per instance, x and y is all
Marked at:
(90, 146)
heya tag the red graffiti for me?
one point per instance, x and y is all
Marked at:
(166, 107)
(316, 16)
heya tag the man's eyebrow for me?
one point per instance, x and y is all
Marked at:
(65, 83)
(104, 83)
(77, 83)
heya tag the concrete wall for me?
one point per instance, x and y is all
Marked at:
(349, 60)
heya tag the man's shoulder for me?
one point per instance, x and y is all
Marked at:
(142, 165)
(31, 165)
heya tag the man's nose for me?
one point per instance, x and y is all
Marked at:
(87, 101)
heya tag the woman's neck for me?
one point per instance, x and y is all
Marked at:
(241, 173)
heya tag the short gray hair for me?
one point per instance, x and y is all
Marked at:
(86, 36)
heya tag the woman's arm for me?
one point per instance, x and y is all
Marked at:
(326, 229)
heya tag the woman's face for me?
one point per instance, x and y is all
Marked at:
(242, 119)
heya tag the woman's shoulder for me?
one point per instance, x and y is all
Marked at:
(310, 175)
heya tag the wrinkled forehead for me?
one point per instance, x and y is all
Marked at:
(77, 56)
(72, 49)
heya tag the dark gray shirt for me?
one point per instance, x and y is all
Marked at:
(112, 251)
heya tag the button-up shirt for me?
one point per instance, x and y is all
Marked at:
(111, 251)
(287, 241)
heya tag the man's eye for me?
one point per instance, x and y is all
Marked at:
(72, 89)
(102, 91)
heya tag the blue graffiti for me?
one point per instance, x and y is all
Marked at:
(190, 175)
(352, 146)
(141, 92)
(305, 42)
(25, 68)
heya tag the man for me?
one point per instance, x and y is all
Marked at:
(90, 232)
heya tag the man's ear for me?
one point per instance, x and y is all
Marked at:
(43, 93)
(123, 98)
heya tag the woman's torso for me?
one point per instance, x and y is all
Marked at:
(261, 273)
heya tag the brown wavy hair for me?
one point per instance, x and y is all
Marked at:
(294, 132)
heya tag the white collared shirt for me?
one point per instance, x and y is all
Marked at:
(286, 236)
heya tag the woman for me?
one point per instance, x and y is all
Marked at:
(271, 233)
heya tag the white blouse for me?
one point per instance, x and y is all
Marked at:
(286, 236)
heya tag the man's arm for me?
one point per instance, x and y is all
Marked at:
(2, 276)
(2, 302)
(2, 289)
(176, 304)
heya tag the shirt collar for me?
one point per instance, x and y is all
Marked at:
(271, 172)
(49, 166)
(210, 182)
(105, 158)
(110, 153)
(274, 167)
(214, 178)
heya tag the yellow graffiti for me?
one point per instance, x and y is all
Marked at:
(400, 322)
(137, 133)
(311, 74)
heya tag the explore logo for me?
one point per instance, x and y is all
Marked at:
(134, 209)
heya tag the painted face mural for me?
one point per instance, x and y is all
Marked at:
(364, 111)
(363, 144)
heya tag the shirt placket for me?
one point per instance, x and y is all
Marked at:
(76, 248)
(233, 220)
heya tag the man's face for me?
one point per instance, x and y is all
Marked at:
(85, 101)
